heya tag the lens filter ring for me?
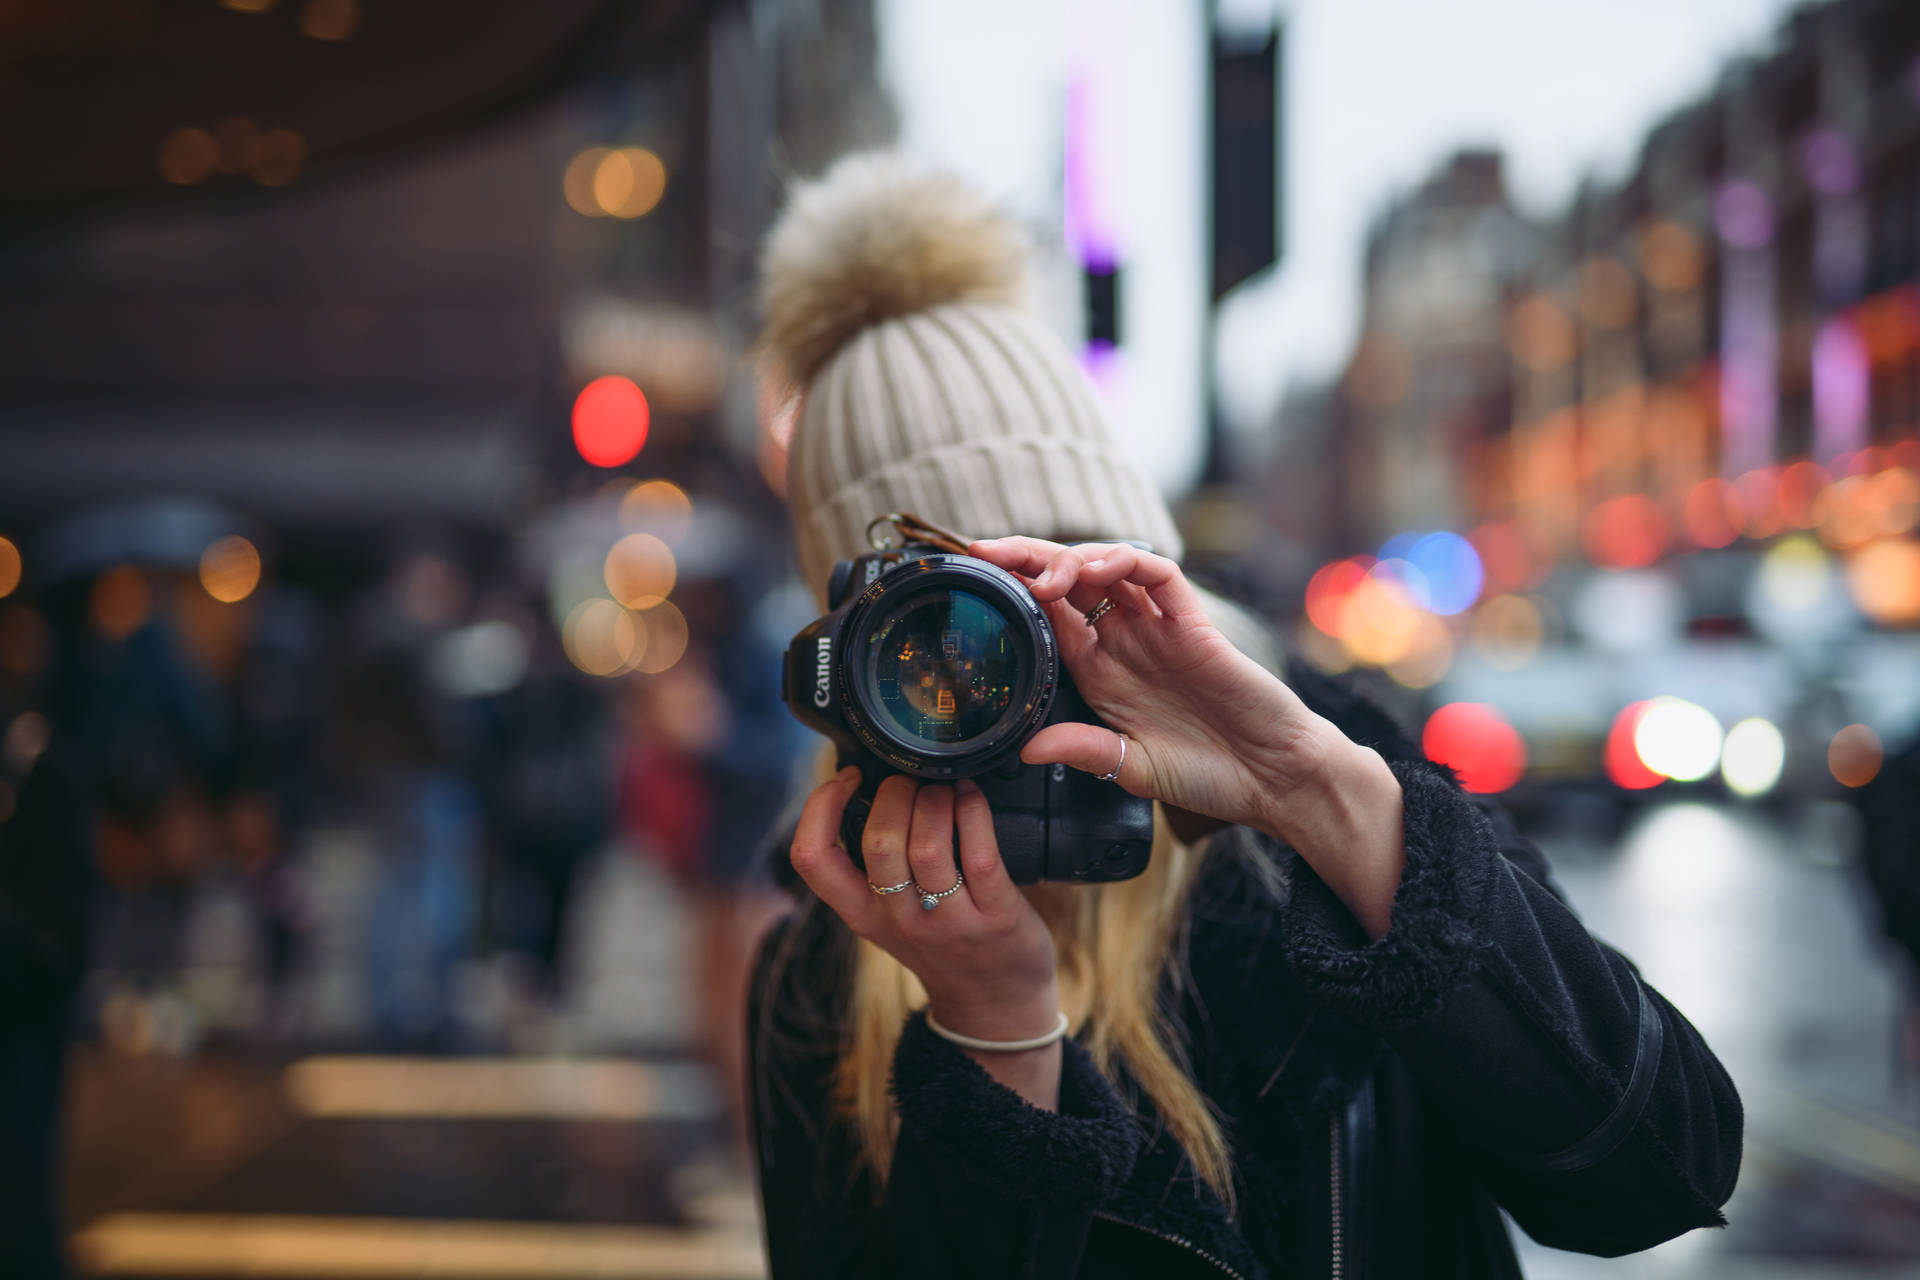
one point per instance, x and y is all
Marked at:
(949, 665)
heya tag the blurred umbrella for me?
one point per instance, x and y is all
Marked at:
(155, 533)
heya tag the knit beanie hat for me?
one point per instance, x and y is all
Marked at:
(896, 299)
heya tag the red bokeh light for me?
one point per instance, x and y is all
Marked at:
(1627, 532)
(1505, 557)
(1622, 758)
(1799, 485)
(1329, 588)
(610, 418)
(1712, 513)
(1476, 742)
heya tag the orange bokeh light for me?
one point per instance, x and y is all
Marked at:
(1328, 589)
(1854, 756)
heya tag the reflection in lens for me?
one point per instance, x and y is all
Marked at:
(944, 668)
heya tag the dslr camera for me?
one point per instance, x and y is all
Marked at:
(941, 666)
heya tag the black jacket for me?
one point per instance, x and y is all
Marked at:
(1380, 1098)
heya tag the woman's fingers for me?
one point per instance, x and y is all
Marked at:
(1090, 748)
(1024, 556)
(1158, 576)
(930, 843)
(884, 843)
(988, 884)
(820, 861)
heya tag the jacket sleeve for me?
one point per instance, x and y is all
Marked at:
(1591, 1107)
(983, 1184)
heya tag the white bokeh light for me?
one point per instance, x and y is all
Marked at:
(1678, 739)
(1753, 757)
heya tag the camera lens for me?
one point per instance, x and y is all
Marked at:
(943, 668)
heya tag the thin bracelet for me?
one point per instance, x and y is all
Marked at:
(999, 1046)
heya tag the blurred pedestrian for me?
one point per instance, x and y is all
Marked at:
(1341, 1021)
(1890, 853)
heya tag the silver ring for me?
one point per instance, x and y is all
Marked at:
(1100, 611)
(1113, 774)
(928, 901)
(884, 889)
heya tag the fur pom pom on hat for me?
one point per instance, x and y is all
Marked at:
(895, 298)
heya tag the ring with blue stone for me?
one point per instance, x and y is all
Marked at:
(928, 901)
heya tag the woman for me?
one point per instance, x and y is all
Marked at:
(1342, 1016)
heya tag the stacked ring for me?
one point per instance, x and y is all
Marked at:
(884, 889)
(928, 901)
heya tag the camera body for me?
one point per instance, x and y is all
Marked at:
(941, 666)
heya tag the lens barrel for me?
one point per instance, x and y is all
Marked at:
(947, 665)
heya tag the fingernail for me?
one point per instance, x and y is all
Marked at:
(849, 774)
(1093, 564)
(967, 787)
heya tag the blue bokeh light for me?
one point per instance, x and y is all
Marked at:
(1452, 569)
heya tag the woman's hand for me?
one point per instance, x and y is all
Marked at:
(983, 953)
(1208, 729)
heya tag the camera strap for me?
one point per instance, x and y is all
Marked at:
(912, 528)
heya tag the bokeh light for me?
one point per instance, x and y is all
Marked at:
(1378, 618)
(1428, 655)
(658, 506)
(640, 571)
(330, 19)
(1677, 739)
(600, 637)
(1627, 532)
(188, 156)
(577, 184)
(1476, 742)
(1540, 334)
(1854, 756)
(1329, 588)
(27, 737)
(1892, 500)
(230, 569)
(10, 567)
(1506, 559)
(1795, 574)
(610, 419)
(1621, 757)
(1759, 502)
(1754, 755)
(666, 633)
(628, 182)
(1712, 513)
(1884, 579)
(1452, 571)
(120, 602)
(1797, 493)
(1507, 632)
(1670, 257)
(278, 157)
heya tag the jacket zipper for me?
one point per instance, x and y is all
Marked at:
(1338, 1264)
(1179, 1241)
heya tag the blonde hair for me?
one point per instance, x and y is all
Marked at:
(1115, 946)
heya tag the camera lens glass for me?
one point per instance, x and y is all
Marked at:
(944, 667)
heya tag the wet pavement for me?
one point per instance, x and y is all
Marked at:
(247, 1157)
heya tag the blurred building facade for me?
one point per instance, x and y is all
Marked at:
(1721, 340)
